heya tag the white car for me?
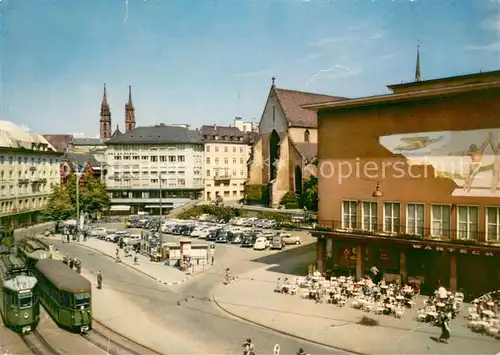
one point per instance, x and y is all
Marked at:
(290, 239)
(261, 243)
(98, 231)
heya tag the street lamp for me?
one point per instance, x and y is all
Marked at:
(160, 236)
(377, 192)
(78, 174)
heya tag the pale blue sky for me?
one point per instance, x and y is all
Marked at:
(201, 62)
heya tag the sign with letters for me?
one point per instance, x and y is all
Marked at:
(460, 250)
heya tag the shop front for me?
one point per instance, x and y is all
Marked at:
(477, 275)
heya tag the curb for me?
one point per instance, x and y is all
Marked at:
(134, 268)
(281, 331)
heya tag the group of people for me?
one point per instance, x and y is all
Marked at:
(127, 251)
(73, 263)
(249, 348)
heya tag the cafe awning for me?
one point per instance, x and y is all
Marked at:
(120, 208)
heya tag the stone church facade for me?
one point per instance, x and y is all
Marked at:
(283, 156)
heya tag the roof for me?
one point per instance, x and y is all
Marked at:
(291, 102)
(221, 131)
(309, 151)
(117, 131)
(404, 96)
(60, 142)
(21, 282)
(159, 134)
(62, 276)
(14, 136)
(473, 78)
(40, 254)
(87, 142)
(81, 159)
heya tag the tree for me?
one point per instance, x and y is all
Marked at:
(310, 194)
(62, 202)
(93, 196)
(60, 206)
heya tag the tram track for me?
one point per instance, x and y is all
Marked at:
(114, 343)
(38, 345)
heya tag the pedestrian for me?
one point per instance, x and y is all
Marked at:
(445, 328)
(67, 237)
(99, 280)
(213, 260)
(136, 259)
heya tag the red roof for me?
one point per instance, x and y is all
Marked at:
(292, 100)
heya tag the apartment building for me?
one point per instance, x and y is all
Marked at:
(155, 167)
(29, 169)
(409, 183)
(227, 150)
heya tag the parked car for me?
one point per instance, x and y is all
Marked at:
(237, 237)
(277, 242)
(290, 239)
(248, 240)
(260, 244)
(96, 232)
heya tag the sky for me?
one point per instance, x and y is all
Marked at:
(205, 62)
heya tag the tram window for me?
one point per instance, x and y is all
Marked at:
(82, 299)
(13, 300)
(25, 301)
(64, 299)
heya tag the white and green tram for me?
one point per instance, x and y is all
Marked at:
(19, 301)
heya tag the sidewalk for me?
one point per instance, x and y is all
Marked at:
(253, 299)
(164, 274)
(127, 318)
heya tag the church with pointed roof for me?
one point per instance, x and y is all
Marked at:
(283, 156)
(105, 121)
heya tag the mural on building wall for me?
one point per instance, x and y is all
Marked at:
(470, 158)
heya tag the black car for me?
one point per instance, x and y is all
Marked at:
(186, 230)
(248, 240)
(212, 236)
(221, 239)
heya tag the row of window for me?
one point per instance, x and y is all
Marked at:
(226, 149)
(153, 158)
(135, 147)
(364, 215)
(226, 160)
(219, 173)
(26, 160)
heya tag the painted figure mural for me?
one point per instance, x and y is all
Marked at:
(470, 158)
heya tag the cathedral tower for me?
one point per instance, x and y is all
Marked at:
(105, 121)
(129, 112)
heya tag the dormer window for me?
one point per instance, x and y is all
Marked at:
(306, 136)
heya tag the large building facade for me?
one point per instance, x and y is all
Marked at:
(149, 168)
(227, 150)
(409, 182)
(29, 170)
(282, 156)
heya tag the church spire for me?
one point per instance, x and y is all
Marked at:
(130, 96)
(105, 121)
(417, 68)
(129, 112)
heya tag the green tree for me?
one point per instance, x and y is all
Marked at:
(92, 196)
(310, 194)
(60, 206)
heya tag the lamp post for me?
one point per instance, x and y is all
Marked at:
(160, 236)
(78, 174)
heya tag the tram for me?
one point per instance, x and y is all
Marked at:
(19, 302)
(65, 295)
(32, 249)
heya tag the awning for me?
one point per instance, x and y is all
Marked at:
(158, 206)
(120, 208)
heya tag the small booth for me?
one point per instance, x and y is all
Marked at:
(185, 253)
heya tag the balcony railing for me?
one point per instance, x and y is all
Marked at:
(222, 177)
(397, 230)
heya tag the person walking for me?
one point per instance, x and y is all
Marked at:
(445, 328)
(99, 280)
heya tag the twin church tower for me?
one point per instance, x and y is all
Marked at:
(105, 121)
